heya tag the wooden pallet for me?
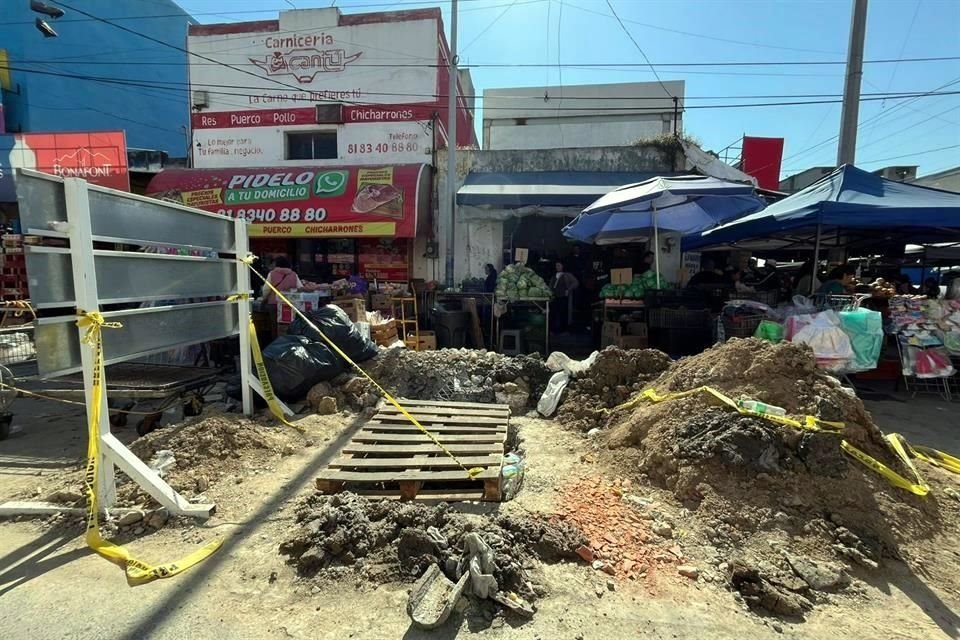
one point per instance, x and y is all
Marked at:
(391, 458)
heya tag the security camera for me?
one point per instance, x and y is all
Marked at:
(45, 29)
(45, 9)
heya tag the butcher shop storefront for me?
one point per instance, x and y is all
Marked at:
(330, 222)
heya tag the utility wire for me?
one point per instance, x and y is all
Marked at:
(184, 88)
(910, 155)
(163, 84)
(489, 26)
(505, 65)
(639, 48)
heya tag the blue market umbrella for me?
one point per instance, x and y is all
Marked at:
(684, 204)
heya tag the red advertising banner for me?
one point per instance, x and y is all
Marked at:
(97, 157)
(761, 159)
(305, 202)
(308, 115)
(254, 118)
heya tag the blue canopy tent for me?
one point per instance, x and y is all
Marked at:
(685, 204)
(847, 199)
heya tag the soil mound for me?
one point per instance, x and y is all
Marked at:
(212, 447)
(762, 491)
(615, 375)
(384, 541)
(461, 375)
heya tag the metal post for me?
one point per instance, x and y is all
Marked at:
(242, 247)
(847, 147)
(816, 261)
(676, 113)
(87, 299)
(656, 245)
(451, 194)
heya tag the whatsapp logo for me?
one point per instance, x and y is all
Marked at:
(330, 184)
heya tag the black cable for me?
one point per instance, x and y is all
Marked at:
(158, 86)
(639, 48)
(521, 65)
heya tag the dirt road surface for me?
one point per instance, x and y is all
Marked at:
(52, 586)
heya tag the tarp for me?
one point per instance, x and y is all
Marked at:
(307, 201)
(848, 198)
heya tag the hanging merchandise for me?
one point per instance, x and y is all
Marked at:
(865, 329)
(831, 346)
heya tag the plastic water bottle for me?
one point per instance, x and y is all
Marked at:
(761, 408)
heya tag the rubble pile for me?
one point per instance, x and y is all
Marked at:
(193, 454)
(613, 378)
(462, 375)
(384, 541)
(772, 501)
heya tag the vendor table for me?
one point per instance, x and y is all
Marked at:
(540, 304)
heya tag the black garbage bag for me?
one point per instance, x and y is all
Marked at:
(336, 325)
(296, 363)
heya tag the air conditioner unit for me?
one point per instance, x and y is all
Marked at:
(201, 99)
(330, 113)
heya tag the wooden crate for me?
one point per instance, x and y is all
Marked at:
(384, 334)
(391, 458)
(356, 308)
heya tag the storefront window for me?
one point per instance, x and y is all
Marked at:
(312, 145)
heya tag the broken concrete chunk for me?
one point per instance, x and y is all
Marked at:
(821, 576)
(688, 571)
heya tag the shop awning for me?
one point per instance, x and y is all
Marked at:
(563, 189)
(307, 201)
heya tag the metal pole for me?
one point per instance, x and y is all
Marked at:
(847, 147)
(816, 260)
(451, 195)
(656, 245)
(676, 114)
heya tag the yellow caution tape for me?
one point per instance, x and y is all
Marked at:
(898, 444)
(810, 423)
(919, 487)
(137, 571)
(472, 472)
(268, 394)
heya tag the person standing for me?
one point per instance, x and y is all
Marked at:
(563, 286)
(490, 283)
(282, 277)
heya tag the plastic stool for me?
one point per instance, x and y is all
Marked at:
(510, 342)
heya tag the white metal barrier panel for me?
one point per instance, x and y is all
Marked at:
(113, 259)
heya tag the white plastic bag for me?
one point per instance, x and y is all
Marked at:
(551, 395)
(831, 346)
(559, 361)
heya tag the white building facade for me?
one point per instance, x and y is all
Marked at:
(595, 115)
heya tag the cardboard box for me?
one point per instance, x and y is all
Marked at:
(355, 308)
(427, 341)
(621, 276)
(380, 302)
(521, 255)
(637, 329)
(305, 302)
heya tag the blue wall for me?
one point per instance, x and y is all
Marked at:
(153, 118)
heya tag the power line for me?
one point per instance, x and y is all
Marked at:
(511, 65)
(639, 48)
(910, 155)
(184, 88)
(489, 26)
(701, 35)
(812, 98)
(167, 44)
(193, 14)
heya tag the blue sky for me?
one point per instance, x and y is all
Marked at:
(684, 31)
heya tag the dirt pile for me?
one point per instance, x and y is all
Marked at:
(615, 376)
(463, 375)
(207, 449)
(759, 491)
(385, 541)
